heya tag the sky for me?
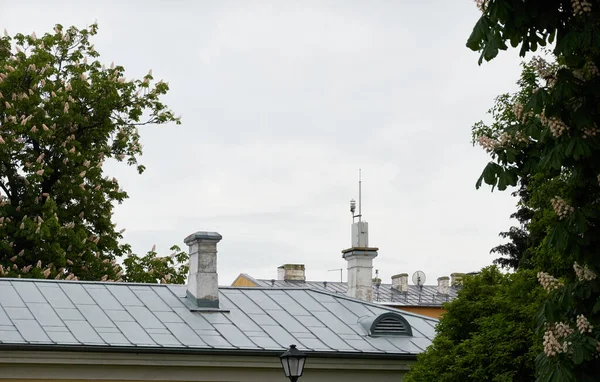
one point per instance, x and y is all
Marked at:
(281, 103)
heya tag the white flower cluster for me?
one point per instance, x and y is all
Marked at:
(542, 67)
(518, 110)
(554, 336)
(580, 7)
(548, 282)
(583, 325)
(504, 139)
(481, 4)
(488, 143)
(561, 207)
(583, 273)
(589, 132)
(557, 127)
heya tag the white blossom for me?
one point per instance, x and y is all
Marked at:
(548, 282)
(580, 7)
(561, 208)
(583, 273)
(583, 325)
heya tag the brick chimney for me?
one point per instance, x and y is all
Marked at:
(400, 282)
(443, 285)
(203, 281)
(291, 272)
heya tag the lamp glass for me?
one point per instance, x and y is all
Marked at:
(293, 362)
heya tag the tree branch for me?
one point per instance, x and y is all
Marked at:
(5, 190)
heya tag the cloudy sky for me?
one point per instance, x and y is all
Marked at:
(282, 103)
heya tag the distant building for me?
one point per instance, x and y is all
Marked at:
(427, 300)
(422, 299)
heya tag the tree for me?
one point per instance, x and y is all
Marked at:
(62, 114)
(554, 141)
(487, 332)
(514, 254)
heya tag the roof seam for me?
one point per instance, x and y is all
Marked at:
(285, 329)
(250, 318)
(327, 326)
(83, 315)
(174, 312)
(30, 312)
(128, 312)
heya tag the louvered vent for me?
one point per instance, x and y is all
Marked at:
(386, 324)
(389, 325)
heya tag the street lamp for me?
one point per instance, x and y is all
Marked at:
(293, 363)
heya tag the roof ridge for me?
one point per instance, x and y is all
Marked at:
(330, 282)
(53, 281)
(371, 304)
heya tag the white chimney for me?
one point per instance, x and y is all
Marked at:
(291, 272)
(360, 256)
(400, 282)
(360, 272)
(443, 285)
(203, 281)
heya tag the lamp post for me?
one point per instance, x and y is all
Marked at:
(293, 363)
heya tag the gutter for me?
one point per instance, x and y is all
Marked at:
(199, 351)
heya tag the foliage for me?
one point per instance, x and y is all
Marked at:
(62, 114)
(516, 253)
(170, 269)
(552, 141)
(484, 334)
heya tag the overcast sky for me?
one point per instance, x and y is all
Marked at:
(282, 103)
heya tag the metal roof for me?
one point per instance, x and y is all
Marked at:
(427, 295)
(101, 316)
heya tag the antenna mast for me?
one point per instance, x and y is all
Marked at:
(359, 195)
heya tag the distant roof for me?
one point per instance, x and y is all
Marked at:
(427, 295)
(154, 317)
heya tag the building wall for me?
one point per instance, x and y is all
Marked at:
(87, 366)
(429, 311)
(241, 281)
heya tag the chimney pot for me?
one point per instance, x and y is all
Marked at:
(400, 282)
(291, 272)
(203, 281)
(443, 285)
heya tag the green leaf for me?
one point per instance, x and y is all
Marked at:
(578, 354)
(478, 34)
(596, 306)
(490, 173)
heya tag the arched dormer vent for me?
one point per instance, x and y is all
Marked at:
(386, 324)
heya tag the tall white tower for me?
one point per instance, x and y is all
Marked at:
(360, 256)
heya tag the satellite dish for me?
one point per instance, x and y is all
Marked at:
(419, 278)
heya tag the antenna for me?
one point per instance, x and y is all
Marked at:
(353, 202)
(335, 270)
(359, 195)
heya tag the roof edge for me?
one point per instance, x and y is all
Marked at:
(234, 352)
